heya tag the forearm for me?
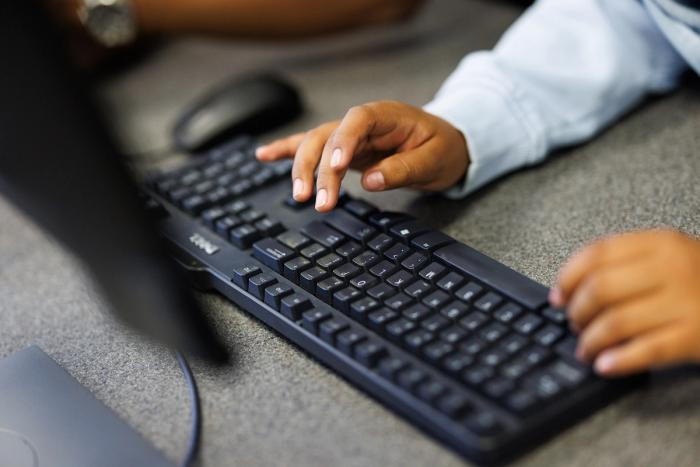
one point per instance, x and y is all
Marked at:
(562, 73)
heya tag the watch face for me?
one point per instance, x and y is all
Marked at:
(112, 26)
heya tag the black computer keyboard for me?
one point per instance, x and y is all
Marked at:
(458, 343)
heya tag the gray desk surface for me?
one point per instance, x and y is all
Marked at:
(277, 406)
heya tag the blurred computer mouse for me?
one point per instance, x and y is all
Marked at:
(251, 104)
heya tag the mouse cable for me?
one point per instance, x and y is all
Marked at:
(195, 413)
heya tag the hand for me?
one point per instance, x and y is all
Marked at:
(391, 143)
(635, 299)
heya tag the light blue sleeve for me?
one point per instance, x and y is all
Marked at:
(563, 72)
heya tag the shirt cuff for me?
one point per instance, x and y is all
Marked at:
(501, 130)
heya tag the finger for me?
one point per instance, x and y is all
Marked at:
(607, 286)
(606, 251)
(305, 161)
(280, 149)
(359, 125)
(621, 323)
(414, 167)
(653, 350)
(328, 180)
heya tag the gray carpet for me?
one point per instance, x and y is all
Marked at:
(276, 406)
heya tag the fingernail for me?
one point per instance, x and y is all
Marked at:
(321, 198)
(555, 298)
(605, 363)
(375, 181)
(335, 158)
(297, 187)
(259, 151)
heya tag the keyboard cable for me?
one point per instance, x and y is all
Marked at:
(195, 413)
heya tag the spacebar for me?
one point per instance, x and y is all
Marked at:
(494, 274)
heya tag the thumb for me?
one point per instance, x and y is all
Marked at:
(417, 166)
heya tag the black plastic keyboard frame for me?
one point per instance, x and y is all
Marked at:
(208, 271)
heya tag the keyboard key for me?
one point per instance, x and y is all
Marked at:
(398, 328)
(369, 352)
(366, 259)
(244, 236)
(483, 423)
(359, 208)
(241, 187)
(473, 320)
(251, 216)
(327, 287)
(385, 220)
(567, 347)
(360, 308)
(400, 279)
(224, 225)
(311, 319)
(258, 284)
(477, 374)
(468, 292)
(431, 390)
(535, 354)
(527, 324)
(269, 227)
(508, 312)
(349, 249)
(348, 339)
(342, 298)
(436, 300)
(454, 310)
(350, 225)
(453, 335)
(294, 267)
(493, 357)
(473, 345)
(407, 230)
(313, 251)
(242, 274)
(237, 207)
(571, 374)
(347, 271)
(211, 215)
(380, 243)
(497, 388)
(397, 252)
(414, 262)
(417, 289)
(323, 234)
(311, 276)
(364, 281)
(437, 351)
(555, 314)
(398, 302)
(417, 339)
(390, 366)
(432, 272)
(330, 261)
(544, 384)
(521, 401)
(272, 253)
(380, 318)
(275, 293)
(435, 323)
(493, 332)
(515, 368)
(329, 328)
(453, 405)
(383, 269)
(513, 344)
(488, 302)
(381, 291)
(431, 241)
(417, 312)
(457, 362)
(549, 335)
(410, 378)
(294, 305)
